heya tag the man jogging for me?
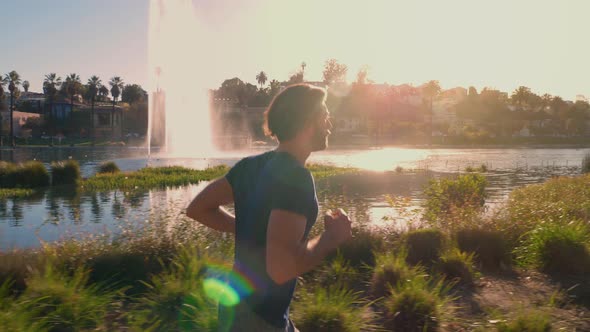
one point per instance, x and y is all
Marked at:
(275, 208)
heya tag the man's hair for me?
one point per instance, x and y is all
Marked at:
(291, 109)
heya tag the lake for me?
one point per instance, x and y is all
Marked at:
(54, 214)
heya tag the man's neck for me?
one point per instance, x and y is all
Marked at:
(296, 150)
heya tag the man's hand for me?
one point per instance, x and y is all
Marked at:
(337, 226)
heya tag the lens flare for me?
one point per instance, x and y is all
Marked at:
(221, 292)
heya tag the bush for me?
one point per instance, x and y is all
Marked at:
(107, 167)
(424, 246)
(389, 272)
(339, 272)
(65, 172)
(8, 175)
(445, 195)
(331, 310)
(527, 321)
(557, 249)
(457, 266)
(415, 306)
(586, 164)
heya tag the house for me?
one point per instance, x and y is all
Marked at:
(18, 121)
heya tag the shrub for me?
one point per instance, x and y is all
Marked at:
(532, 321)
(107, 167)
(61, 302)
(331, 310)
(424, 246)
(8, 175)
(445, 195)
(586, 164)
(457, 266)
(415, 306)
(65, 172)
(490, 247)
(557, 249)
(389, 272)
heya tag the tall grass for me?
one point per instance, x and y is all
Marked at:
(15, 192)
(332, 309)
(390, 271)
(491, 249)
(63, 302)
(31, 174)
(456, 266)
(65, 172)
(424, 246)
(557, 249)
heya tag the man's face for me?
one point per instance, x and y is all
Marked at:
(321, 129)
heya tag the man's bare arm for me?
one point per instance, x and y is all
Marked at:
(287, 255)
(207, 208)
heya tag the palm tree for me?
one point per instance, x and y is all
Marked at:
(103, 92)
(261, 79)
(303, 65)
(73, 87)
(50, 85)
(116, 84)
(431, 90)
(13, 79)
(2, 82)
(26, 86)
(94, 84)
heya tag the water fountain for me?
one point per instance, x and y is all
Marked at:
(179, 119)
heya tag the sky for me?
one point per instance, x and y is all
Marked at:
(502, 44)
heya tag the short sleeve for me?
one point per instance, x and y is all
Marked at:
(234, 173)
(293, 190)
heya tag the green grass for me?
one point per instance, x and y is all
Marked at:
(321, 171)
(527, 321)
(15, 192)
(557, 249)
(390, 271)
(557, 200)
(151, 177)
(332, 309)
(65, 172)
(491, 249)
(107, 167)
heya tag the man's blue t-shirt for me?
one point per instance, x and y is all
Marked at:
(261, 183)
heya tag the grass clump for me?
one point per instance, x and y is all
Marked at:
(443, 196)
(331, 309)
(107, 167)
(65, 172)
(62, 302)
(480, 169)
(390, 271)
(532, 321)
(360, 251)
(415, 306)
(339, 272)
(457, 266)
(490, 248)
(424, 246)
(31, 174)
(557, 249)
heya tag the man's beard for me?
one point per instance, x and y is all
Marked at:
(320, 140)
